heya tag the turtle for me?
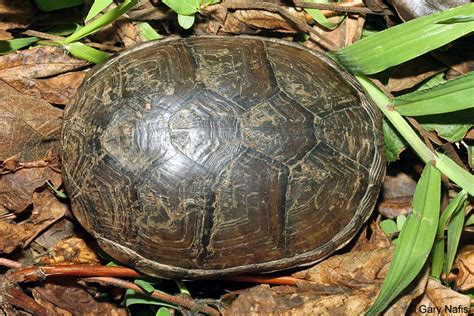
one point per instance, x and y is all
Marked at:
(209, 156)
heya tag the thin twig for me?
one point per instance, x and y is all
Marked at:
(9, 263)
(275, 8)
(16, 297)
(340, 8)
(180, 301)
(265, 279)
(42, 35)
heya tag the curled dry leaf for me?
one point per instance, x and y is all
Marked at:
(329, 294)
(465, 266)
(73, 299)
(377, 240)
(410, 9)
(47, 209)
(28, 126)
(72, 250)
(441, 300)
(58, 89)
(39, 62)
(62, 229)
(128, 32)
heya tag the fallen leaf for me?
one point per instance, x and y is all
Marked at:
(47, 209)
(464, 264)
(72, 250)
(38, 62)
(61, 230)
(377, 239)
(441, 300)
(57, 90)
(28, 126)
(410, 9)
(16, 14)
(128, 32)
(73, 299)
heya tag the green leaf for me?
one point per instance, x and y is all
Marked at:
(51, 5)
(432, 82)
(455, 228)
(438, 251)
(401, 219)
(443, 163)
(147, 286)
(320, 18)
(404, 41)
(458, 19)
(183, 288)
(132, 298)
(388, 226)
(97, 7)
(16, 44)
(185, 21)
(446, 126)
(163, 311)
(183, 7)
(470, 155)
(64, 29)
(60, 194)
(394, 142)
(470, 220)
(85, 52)
(415, 240)
(453, 95)
(104, 20)
(148, 33)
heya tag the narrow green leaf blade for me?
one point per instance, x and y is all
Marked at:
(147, 286)
(183, 7)
(97, 7)
(104, 20)
(455, 228)
(51, 5)
(85, 52)
(148, 33)
(132, 298)
(16, 44)
(163, 311)
(394, 142)
(415, 241)
(405, 41)
(437, 260)
(453, 95)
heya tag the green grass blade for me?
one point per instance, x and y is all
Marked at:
(16, 44)
(454, 95)
(455, 228)
(415, 241)
(183, 289)
(405, 41)
(85, 52)
(186, 21)
(97, 7)
(148, 33)
(51, 5)
(443, 163)
(104, 20)
(438, 251)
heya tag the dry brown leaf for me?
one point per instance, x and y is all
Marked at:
(46, 210)
(60, 230)
(441, 300)
(16, 14)
(413, 72)
(40, 62)
(128, 32)
(377, 240)
(73, 299)
(58, 89)
(354, 269)
(72, 250)
(28, 125)
(464, 263)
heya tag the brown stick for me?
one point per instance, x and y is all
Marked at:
(340, 8)
(9, 263)
(19, 299)
(264, 279)
(180, 301)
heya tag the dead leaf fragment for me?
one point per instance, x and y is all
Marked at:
(57, 90)
(72, 250)
(73, 299)
(28, 126)
(464, 263)
(441, 300)
(47, 209)
(38, 62)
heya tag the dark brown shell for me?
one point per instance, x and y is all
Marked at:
(208, 156)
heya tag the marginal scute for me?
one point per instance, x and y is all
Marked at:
(209, 156)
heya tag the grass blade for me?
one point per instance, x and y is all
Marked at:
(443, 163)
(405, 41)
(415, 240)
(438, 252)
(183, 7)
(85, 52)
(455, 228)
(51, 5)
(454, 95)
(186, 21)
(16, 44)
(148, 33)
(97, 7)
(105, 19)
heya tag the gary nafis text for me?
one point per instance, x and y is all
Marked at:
(446, 309)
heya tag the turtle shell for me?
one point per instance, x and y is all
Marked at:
(209, 156)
